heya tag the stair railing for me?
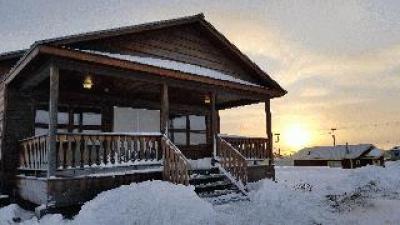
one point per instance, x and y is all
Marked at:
(176, 165)
(232, 161)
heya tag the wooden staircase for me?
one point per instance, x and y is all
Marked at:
(218, 185)
(215, 187)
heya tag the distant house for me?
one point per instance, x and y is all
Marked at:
(345, 156)
(393, 154)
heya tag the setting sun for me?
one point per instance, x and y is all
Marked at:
(296, 136)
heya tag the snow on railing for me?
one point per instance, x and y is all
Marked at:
(90, 150)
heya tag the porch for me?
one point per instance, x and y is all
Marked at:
(87, 164)
(89, 127)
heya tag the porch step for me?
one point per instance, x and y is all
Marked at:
(4, 200)
(213, 170)
(228, 198)
(215, 187)
(205, 179)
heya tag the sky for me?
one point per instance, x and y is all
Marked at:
(339, 59)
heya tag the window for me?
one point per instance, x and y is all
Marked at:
(91, 118)
(42, 122)
(188, 130)
(136, 120)
(69, 120)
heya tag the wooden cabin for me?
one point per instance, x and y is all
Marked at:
(345, 156)
(89, 112)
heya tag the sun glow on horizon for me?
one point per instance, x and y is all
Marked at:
(296, 136)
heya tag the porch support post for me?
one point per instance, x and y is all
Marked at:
(53, 110)
(164, 111)
(269, 129)
(214, 120)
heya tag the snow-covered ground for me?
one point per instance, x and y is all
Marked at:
(313, 195)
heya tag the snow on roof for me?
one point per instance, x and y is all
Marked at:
(173, 65)
(337, 152)
(395, 148)
(375, 153)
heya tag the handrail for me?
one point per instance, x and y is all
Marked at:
(232, 161)
(176, 165)
(253, 148)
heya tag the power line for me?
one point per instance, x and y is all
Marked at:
(365, 125)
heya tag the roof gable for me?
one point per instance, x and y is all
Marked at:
(187, 44)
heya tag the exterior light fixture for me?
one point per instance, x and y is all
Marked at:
(88, 83)
(207, 99)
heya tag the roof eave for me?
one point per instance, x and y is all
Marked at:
(36, 50)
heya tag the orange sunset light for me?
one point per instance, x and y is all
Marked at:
(296, 136)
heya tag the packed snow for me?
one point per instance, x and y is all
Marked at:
(301, 196)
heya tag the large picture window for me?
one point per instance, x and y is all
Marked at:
(188, 130)
(72, 120)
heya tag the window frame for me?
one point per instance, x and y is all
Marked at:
(187, 130)
(72, 126)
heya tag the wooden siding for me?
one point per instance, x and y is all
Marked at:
(5, 165)
(18, 124)
(77, 190)
(5, 66)
(259, 172)
(185, 43)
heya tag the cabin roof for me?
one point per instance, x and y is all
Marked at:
(173, 65)
(95, 35)
(338, 152)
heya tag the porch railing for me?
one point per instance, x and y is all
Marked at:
(90, 150)
(33, 153)
(79, 151)
(176, 166)
(232, 160)
(250, 148)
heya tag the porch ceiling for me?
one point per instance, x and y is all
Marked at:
(129, 92)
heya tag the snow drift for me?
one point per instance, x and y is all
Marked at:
(152, 202)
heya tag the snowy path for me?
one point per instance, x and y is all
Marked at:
(302, 196)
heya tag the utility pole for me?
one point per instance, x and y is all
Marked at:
(277, 137)
(333, 135)
(277, 141)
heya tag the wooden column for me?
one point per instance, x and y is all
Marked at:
(214, 121)
(269, 126)
(53, 110)
(164, 110)
(218, 123)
